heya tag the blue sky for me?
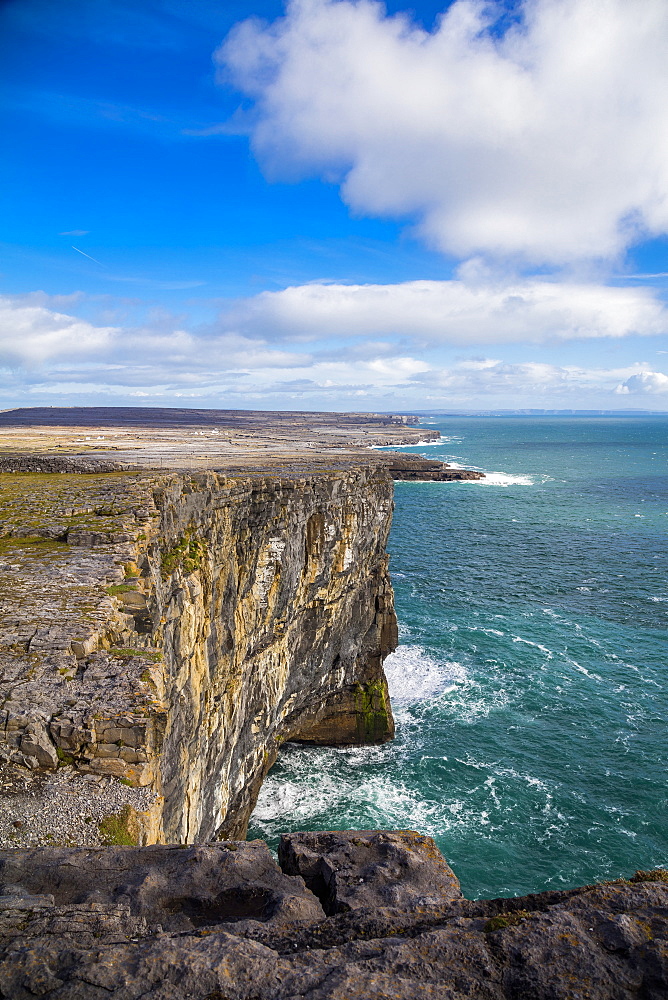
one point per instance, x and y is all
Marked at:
(335, 204)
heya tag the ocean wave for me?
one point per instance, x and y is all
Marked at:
(407, 447)
(444, 439)
(413, 675)
(496, 478)
(473, 699)
(504, 479)
(536, 645)
(316, 788)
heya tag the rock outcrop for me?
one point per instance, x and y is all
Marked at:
(402, 466)
(162, 636)
(223, 922)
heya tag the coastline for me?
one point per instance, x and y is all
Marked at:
(177, 635)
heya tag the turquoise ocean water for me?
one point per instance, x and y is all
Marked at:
(530, 688)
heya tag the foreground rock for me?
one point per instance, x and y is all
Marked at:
(369, 869)
(223, 922)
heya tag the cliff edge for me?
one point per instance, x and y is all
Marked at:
(176, 601)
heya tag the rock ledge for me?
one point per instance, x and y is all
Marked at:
(224, 922)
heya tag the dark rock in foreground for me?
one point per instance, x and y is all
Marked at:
(223, 922)
(369, 868)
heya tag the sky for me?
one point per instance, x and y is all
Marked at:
(334, 204)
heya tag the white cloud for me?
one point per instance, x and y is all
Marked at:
(550, 142)
(30, 333)
(453, 312)
(50, 354)
(531, 380)
(651, 383)
(401, 382)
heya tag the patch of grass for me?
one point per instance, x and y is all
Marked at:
(115, 830)
(120, 588)
(63, 758)
(503, 920)
(36, 544)
(188, 554)
(126, 653)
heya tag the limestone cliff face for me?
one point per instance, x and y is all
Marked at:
(165, 634)
(275, 613)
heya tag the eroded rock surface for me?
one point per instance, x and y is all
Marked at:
(176, 888)
(168, 923)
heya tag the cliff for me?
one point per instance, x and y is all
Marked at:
(163, 635)
(348, 916)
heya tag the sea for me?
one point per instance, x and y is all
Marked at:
(530, 685)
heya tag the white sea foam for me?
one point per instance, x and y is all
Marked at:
(504, 479)
(413, 675)
(444, 439)
(380, 802)
(406, 447)
(495, 478)
(536, 645)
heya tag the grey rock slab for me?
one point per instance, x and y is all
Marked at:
(173, 887)
(166, 968)
(156, 923)
(358, 869)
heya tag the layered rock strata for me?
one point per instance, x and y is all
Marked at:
(223, 922)
(161, 636)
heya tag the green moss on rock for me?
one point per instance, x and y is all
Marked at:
(372, 711)
(186, 554)
(116, 829)
(503, 920)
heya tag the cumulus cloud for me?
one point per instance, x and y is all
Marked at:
(652, 383)
(48, 353)
(31, 333)
(548, 141)
(453, 312)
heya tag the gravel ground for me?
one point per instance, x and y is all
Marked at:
(63, 808)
